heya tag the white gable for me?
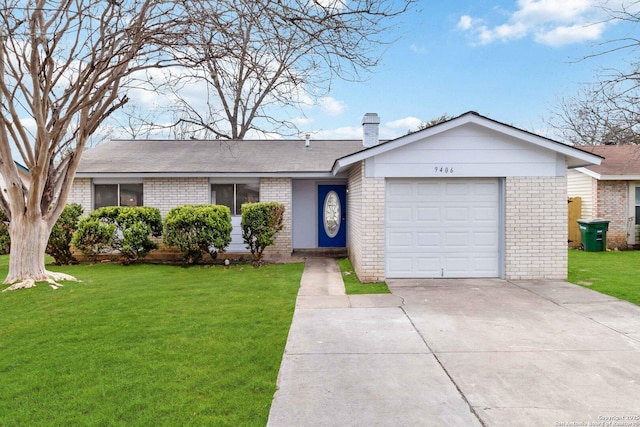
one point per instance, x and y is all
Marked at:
(466, 151)
(469, 146)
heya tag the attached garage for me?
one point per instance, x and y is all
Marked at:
(443, 228)
(469, 197)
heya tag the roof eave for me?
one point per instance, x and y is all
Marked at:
(117, 175)
(604, 177)
(22, 168)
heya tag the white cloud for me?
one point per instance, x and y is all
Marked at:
(573, 34)
(389, 130)
(403, 125)
(301, 121)
(331, 106)
(466, 22)
(418, 49)
(550, 22)
(347, 132)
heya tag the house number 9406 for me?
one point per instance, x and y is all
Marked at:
(443, 169)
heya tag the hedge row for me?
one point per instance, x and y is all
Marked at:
(127, 230)
(194, 229)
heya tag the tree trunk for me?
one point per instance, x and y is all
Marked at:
(29, 235)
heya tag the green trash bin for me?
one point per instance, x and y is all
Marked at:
(594, 234)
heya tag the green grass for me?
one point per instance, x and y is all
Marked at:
(612, 273)
(353, 286)
(145, 345)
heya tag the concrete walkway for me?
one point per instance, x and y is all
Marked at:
(480, 352)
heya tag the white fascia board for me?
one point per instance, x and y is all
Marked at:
(601, 177)
(575, 156)
(589, 172)
(619, 178)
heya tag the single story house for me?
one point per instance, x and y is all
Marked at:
(469, 197)
(611, 191)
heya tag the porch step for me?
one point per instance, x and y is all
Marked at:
(321, 252)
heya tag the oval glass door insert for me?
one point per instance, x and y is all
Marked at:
(332, 214)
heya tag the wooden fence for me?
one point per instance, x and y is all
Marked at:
(575, 213)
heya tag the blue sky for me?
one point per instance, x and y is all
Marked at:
(508, 60)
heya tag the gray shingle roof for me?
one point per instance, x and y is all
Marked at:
(214, 156)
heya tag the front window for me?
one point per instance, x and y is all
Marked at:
(234, 195)
(117, 195)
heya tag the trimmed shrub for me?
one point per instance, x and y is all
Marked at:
(5, 240)
(260, 223)
(197, 230)
(93, 237)
(131, 229)
(59, 244)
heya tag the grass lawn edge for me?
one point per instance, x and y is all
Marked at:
(353, 285)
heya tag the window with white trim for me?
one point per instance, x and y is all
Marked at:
(117, 195)
(235, 195)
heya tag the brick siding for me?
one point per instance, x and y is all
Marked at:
(279, 190)
(536, 228)
(612, 204)
(365, 217)
(81, 193)
(168, 193)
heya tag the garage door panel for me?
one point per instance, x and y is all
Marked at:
(428, 214)
(400, 266)
(427, 240)
(428, 189)
(486, 265)
(400, 240)
(486, 240)
(456, 240)
(456, 189)
(400, 214)
(457, 265)
(399, 190)
(486, 189)
(443, 228)
(484, 213)
(457, 214)
(429, 266)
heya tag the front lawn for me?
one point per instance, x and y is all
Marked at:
(146, 345)
(612, 273)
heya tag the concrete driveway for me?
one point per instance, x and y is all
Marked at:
(536, 353)
(458, 353)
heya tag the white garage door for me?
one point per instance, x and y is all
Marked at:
(442, 228)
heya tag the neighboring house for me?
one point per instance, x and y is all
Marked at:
(22, 172)
(611, 191)
(469, 197)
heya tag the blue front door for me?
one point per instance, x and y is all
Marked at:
(332, 216)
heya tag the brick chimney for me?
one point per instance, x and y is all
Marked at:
(370, 124)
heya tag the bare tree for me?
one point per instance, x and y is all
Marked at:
(253, 58)
(601, 113)
(607, 111)
(63, 66)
